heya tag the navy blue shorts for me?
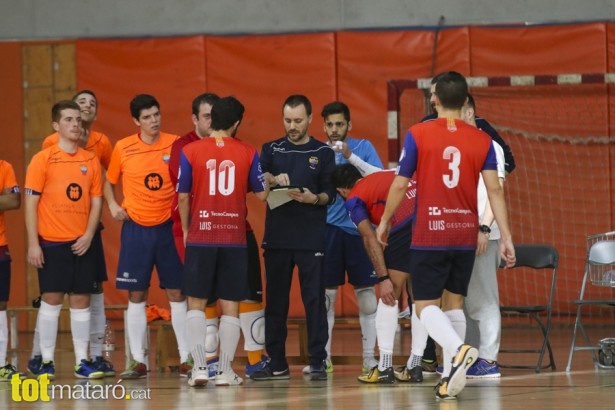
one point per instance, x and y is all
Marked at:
(255, 281)
(5, 273)
(97, 248)
(144, 247)
(345, 253)
(65, 272)
(397, 252)
(434, 271)
(216, 271)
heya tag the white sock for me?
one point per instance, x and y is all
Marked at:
(80, 329)
(386, 325)
(441, 330)
(419, 340)
(136, 323)
(212, 340)
(178, 320)
(330, 296)
(4, 337)
(366, 298)
(253, 329)
(36, 339)
(196, 329)
(48, 316)
(230, 331)
(97, 324)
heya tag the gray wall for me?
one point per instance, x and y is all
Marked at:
(43, 19)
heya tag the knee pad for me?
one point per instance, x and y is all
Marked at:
(253, 328)
(212, 339)
(366, 298)
(330, 295)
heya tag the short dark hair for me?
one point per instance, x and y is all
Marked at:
(435, 78)
(142, 102)
(452, 90)
(296, 100)
(345, 176)
(56, 110)
(336, 107)
(78, 93)
(205, 98)
(226, 112)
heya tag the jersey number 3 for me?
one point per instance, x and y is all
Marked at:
(453, 156)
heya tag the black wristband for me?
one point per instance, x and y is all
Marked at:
(383, 278)
(484, 229)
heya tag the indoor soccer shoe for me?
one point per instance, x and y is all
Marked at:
(88, 370)
(368, 364)
(198, 376)
(465, 357)
(319, 371)
(34, 364)
(441, 389)
(7, 372)
(376, 376)
(229, 378)
(429, 366)
(267, 373)
(328, 367)
(405, 375)
(105, 366)
(251, 368)
(135, 370)
(483, 369)
(47, 368)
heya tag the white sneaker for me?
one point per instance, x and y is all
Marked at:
(368, 364)
(228, 379)
(198, 377)
(328, 367)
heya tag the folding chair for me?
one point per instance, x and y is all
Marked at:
(599, 271)
(542, 261)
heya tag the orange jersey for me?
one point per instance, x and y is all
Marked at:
(66, 183)
(144, 168)
(7, 183)
(98, 143)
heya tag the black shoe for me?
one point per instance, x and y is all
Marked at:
(267, 373)
(318, 372)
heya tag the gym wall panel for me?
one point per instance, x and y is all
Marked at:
(12, 150)
(261, 71)
(172, 70)
(367, 60)
(578, 48)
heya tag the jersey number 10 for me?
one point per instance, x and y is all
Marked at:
(222, 177)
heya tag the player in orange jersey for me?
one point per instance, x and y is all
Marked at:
(99, 144)
(141, 162)
(62, 210)
(9, 199)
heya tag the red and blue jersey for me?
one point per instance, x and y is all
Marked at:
(367, 200)
(218, 173)
(448, 156)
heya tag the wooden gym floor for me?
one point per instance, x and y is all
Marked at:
(584, 387)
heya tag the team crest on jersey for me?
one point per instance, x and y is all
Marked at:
(450, 124)
(83, 169)
(166, 157)
(74, 192)
(153, 181)
(313, 161)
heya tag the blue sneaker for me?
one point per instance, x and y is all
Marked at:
(104, 366)
(251, 368)
(88, 370)
(34, 364)
(212, 367)
(484, 369)
(47, 368)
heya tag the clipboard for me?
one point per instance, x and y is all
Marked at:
(279, 195)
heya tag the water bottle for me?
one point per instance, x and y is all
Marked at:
(108, 341)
